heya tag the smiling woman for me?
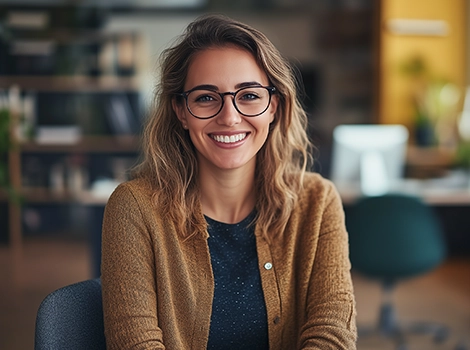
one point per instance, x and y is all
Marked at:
(222, 239)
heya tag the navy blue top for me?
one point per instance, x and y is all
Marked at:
(239, 319)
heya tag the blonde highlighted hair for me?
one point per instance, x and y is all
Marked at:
(170, 162)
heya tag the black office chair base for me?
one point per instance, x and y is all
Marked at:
(389, 328)
(439, 334)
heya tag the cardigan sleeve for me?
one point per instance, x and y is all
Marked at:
(127, 270)
(331, 312)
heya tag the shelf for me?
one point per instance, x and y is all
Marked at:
(71, 35)
(428, 162)
(430, 157)
(46, 196)
(42, 196)
(38, 195)
(72, 83)
(88, 144)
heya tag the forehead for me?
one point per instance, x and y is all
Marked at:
(224, 67)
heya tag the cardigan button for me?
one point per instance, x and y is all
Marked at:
(268, 266)
(276, 320)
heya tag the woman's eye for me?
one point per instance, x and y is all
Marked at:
(204, 98)
(249, 96)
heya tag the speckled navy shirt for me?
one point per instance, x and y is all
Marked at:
(238, 318)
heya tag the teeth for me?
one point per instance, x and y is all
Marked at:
(229, 139)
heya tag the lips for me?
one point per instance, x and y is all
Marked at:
(229, 138)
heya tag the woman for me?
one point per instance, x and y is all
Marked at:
(223, 240)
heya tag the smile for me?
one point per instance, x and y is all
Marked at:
(228, 139)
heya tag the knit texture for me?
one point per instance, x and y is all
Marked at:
(158, 286)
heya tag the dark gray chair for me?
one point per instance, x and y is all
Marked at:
(71, 318)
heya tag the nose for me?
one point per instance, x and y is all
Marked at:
(229, 115)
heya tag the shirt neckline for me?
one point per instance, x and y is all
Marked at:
(247, 220)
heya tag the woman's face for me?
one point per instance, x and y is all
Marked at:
(229, 140)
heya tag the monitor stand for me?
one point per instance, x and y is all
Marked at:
(373, 174)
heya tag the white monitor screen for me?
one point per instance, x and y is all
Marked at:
(369, 156)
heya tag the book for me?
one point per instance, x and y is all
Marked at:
(121, 116)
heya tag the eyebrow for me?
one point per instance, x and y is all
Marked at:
(216, 88)
(247, 84)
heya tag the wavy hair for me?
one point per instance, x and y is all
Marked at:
(170, 162)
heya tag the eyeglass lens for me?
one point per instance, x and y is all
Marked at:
(250, 101)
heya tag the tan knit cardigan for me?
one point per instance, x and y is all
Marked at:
(158, 287)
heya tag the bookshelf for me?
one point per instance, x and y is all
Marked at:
(65, 81)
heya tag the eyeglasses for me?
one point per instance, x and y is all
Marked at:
(249, 101)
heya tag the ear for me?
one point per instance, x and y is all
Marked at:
(180, 111)
(273, 106)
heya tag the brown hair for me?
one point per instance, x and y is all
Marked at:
(169, 155)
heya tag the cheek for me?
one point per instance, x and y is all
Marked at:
(264, 126)
(196, 128)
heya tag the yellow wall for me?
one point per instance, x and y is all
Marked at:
(444, 56)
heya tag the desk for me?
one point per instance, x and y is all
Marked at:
(449, 199)
(440, 196)
(452, 190)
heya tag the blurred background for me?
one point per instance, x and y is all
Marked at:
(77, 80)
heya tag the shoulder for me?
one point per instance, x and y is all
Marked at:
(319, 196)
(316, 180)
(138, 191)
(320, 201)
(137, 187)
(316, 186)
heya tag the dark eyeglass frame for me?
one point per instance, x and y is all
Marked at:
(271, 91)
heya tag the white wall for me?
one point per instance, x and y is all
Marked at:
(157, 33)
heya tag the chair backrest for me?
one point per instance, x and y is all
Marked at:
(71, 318)
(394, 236)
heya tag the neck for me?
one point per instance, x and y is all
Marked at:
(227, 195)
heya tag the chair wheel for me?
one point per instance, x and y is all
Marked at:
(441, 335)
(461, 346)
(401, 347)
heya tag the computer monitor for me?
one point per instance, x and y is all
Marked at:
(369, 156)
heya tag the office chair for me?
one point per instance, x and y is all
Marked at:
(71, 318)
(394, 237)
